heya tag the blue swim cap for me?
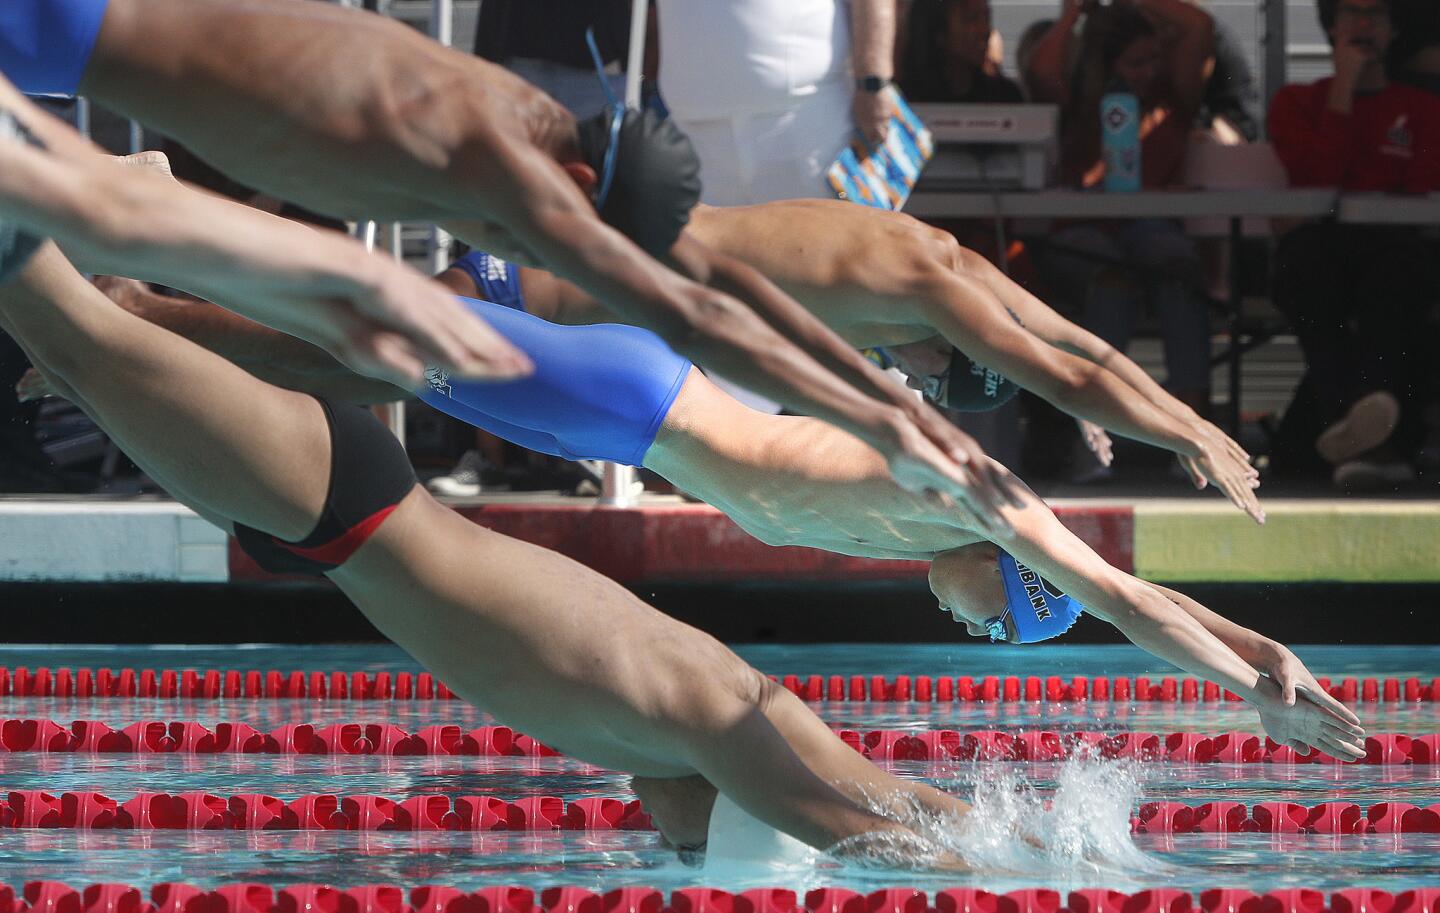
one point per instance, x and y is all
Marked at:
(1035, 609)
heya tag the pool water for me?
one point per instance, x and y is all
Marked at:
(603, 860)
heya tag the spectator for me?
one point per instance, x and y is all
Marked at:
(1025, 52)
(1357, 295)
(1160, 51)
(1229, 106)
(543, 41)
(770, 91)
(947, 55)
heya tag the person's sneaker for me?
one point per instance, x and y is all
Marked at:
(1373, 474)
(1368, 424)
(464, 480)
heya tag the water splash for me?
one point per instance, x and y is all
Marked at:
(1077, 834)
(1081, 832)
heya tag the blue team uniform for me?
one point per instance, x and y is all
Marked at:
(45, 45)
(598, 392)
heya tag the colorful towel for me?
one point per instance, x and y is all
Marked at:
(883, 176)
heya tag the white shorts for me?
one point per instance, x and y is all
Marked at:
(775, 155)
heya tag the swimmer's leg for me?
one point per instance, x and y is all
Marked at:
(572, 657)
(682, 806)
(211, 434)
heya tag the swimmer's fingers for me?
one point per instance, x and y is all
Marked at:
(957, 469)
(387, 356)
(1097, 441)
(1342, 747)
(1301, 747)
(470, 346)
(1342, 715)
(1197, 478)
(1242, 494)
(444, 331)
(993, 487)
(1230, 444)
(1233, 479)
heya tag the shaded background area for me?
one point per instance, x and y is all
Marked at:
(853, 613)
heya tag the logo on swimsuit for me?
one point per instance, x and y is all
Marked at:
(495, 269)
(439, 380)
(1036, 589)
(992, 378)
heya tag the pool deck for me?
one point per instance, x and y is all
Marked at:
(667, 540)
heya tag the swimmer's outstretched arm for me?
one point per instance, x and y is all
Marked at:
(425, 132)
(375, 314)
(1043, 320)
(1194, 640)
(570, 657)
(964, 303)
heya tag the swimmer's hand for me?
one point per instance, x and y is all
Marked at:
(932, 457)
(1226, 464)
(32, 386)
(1097, 441)
(1286, 670)
(1310, 725)
(399, 323)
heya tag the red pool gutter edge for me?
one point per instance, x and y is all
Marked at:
(695, 543)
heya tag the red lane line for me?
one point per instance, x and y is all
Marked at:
(263, 898)
(387, 739)
(198, 810)
(273, 684)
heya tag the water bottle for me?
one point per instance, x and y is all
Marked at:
(1120, 138)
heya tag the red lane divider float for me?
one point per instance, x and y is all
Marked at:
(405, 686)
(33, 808)
(201, 811)
(55, 897)
(159, 737)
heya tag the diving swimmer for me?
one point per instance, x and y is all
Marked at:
(374, 314)
(312, 486)
(617, 393)
(272, 94)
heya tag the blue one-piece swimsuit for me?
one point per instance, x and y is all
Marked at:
(45, 45)
(598, 392)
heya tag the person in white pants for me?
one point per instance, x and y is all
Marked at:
(770, 92)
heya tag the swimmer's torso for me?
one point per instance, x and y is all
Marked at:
(853, 267)
(344, 116)
(788, 480)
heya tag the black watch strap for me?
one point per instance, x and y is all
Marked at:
(871, 83)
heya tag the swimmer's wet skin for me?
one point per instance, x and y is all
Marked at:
(674, 702)
(499, 163)
(369, 311)
(794, 480)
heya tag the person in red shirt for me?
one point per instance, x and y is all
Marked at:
(1357, 295)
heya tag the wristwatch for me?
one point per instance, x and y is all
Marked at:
(871, 83)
